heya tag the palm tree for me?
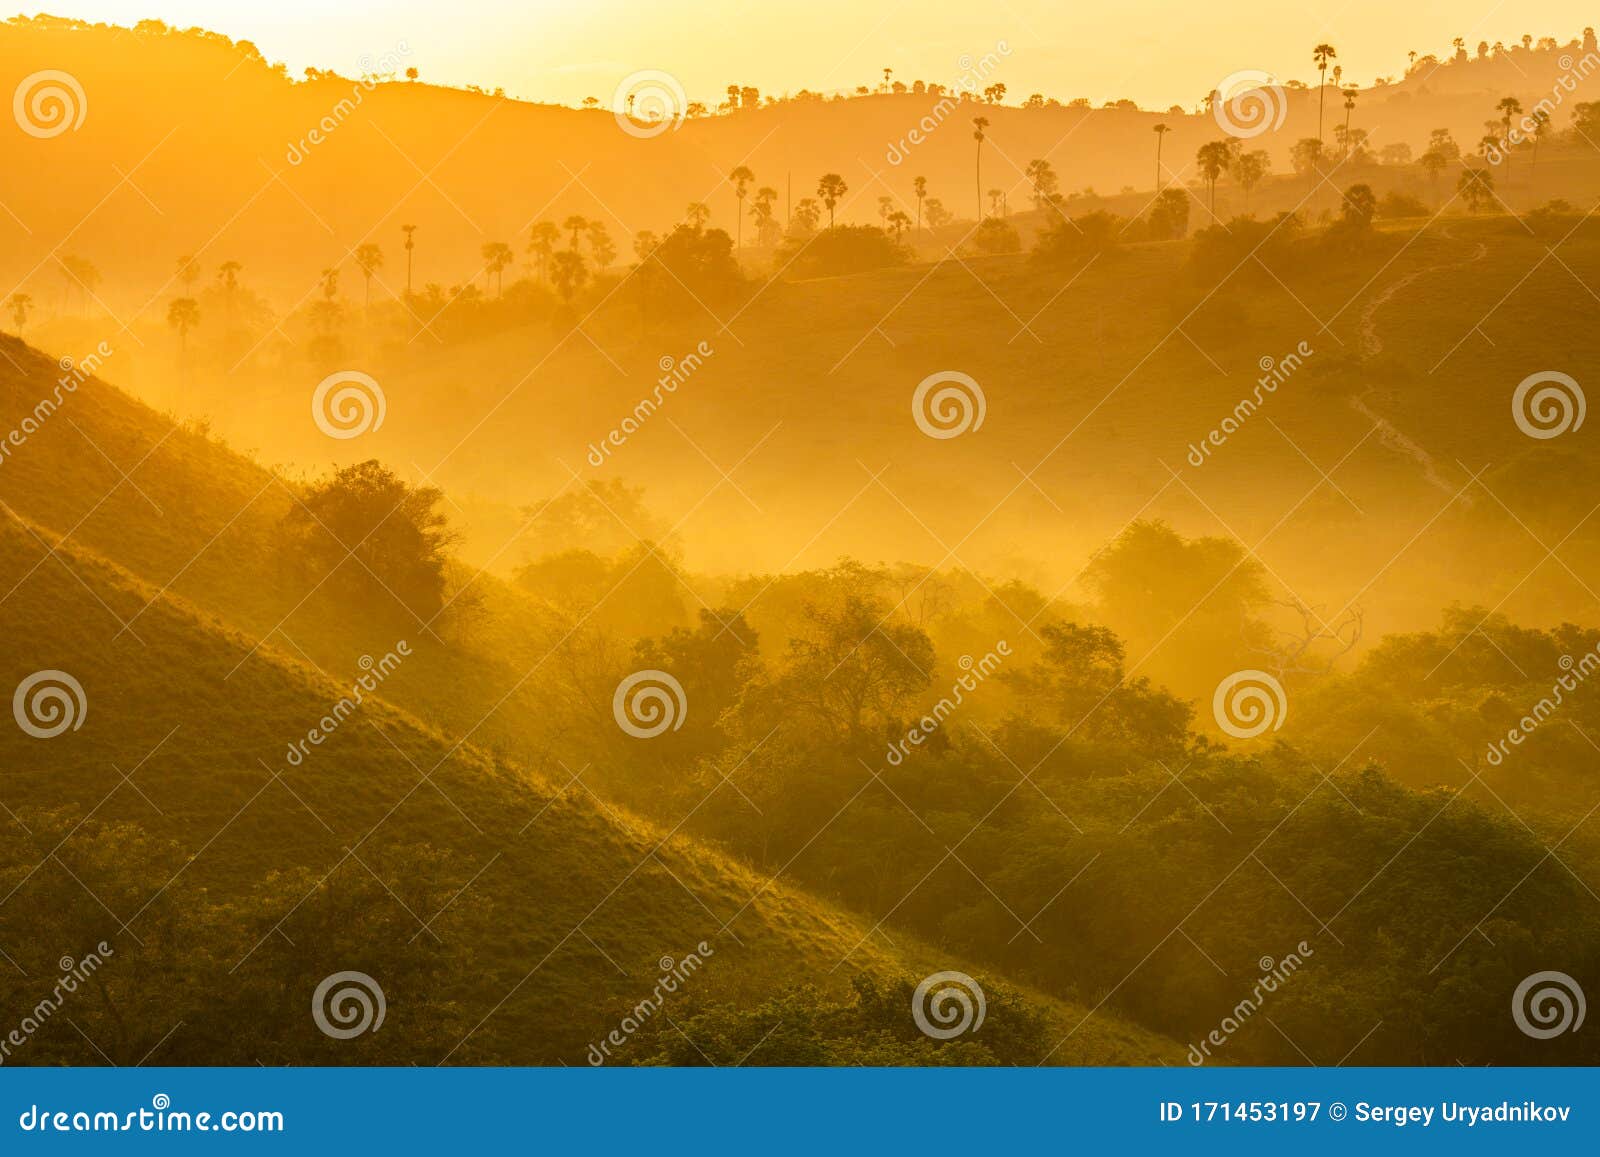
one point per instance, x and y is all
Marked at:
(188, 272)
(761, 209)
(369, 259)
(1214, 159)
(577, 224)
(1322, 54)
(920, 186)
(20, 304)
(831, 188)
(600, 246)
(1541, 123)
(568, 273)
(411, 243)
(1161, 131)
(1044, 181)
(228, 273)
(978, 125)
(1248, 169)
(542, 240)
(496, 256)
(1349, 104)
(1509, 107)
(183, 315)
(741, 178)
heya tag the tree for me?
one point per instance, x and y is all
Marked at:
(938, 215)
(542, 241)
(183, 314)
(188, 272)
(807, 215)
(369, 259)
(20, 305)
(1168, 219)
(1509, 107)
(1359, 206)
(920, 187)
(1349, 105)
(741, 178)
(577, 225)
(698, 214)
(1161, 131)
(1249, 169)
(1214, 159)
(761, 210)
(568, 273)
(228, 275)
(1322, 54)
(978, 125)
(384, 537)
(600, 246)
(1044, 181)
(1476, 187)
(831, 188)
(1306, 155)
(411, 243)
(496, 256)
(1541, 125)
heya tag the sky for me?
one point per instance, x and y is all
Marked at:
(1155, 52)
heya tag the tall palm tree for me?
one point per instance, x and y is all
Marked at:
(1214, 159)
(496, 256)
(1509, 107)
(831, 188)
(369, 259)
(1322, 54)
(741, 178)
(920, 186)
(1349, 104)
(1161, 131)
(577, 224)
(978, 125)
(542, 241)
(411, 243)
(183, 315)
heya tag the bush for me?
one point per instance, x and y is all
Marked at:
(841, 249)
(996, 236)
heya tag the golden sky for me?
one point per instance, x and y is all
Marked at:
(1156, 52)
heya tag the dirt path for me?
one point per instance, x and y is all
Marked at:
(1372, 345)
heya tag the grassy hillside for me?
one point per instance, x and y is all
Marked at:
(509, 920)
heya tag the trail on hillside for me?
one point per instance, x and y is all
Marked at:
(1372, 345)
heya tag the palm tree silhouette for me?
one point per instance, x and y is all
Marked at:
(741, 178)
(577, 224)
(1161, 131)
(1349, 104)
(369, 259)
(542, 240)
(411, 243)
(1214, 158)
(978, 125)
(1322, 54)
(183, 315)
(920, 186)
(20, 304)
(831, 188)
(1509, 107)
(496, 256)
